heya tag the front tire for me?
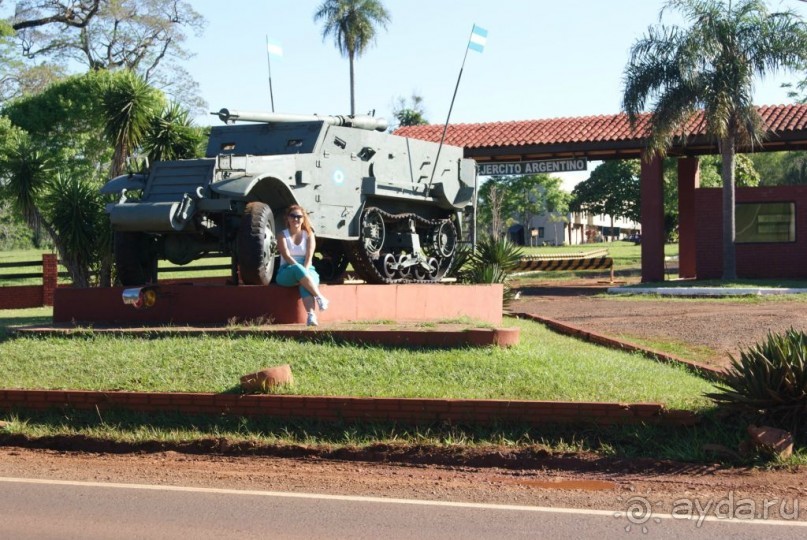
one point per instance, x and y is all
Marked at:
(256, 245)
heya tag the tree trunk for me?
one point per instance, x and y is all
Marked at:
(79, 274)
(105, 271)
(352, 85)
(728, 154)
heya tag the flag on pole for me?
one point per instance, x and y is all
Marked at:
(479, 37)
(274, 49)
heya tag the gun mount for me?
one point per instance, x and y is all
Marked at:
(372, 197)
(358, 121)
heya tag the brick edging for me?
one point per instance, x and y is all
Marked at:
(336, 408)
(705, 370)
(463, 337)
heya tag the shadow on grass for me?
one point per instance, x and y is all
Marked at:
(625, 448)
(8, 324)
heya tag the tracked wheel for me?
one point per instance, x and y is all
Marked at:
(373, 230)
(381, 255)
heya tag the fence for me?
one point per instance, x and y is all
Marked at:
(566, 262)
(27, 296)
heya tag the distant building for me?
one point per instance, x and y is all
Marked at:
(575, 228)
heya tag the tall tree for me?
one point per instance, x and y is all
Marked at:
(533, 194)
(145, 36)
(781, 168)
(56, 148)
(23, 174)
(490, 200)
(352, 23)
(745, 174)
(710, 66)
(612, 190)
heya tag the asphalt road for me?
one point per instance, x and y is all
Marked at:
(53, 509)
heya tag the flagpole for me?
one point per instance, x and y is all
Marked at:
(450, 108)
(269, 65)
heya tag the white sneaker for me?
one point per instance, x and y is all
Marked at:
(312, 319)
(322, 302)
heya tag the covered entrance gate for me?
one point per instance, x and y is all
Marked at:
(611, 137)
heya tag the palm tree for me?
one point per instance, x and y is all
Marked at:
(171, 135)
(711, 67)
(352, 23)
(68, 210)
(80, 226)
(128, 105)
(24, 169)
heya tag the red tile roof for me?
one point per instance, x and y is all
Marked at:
(584, 129)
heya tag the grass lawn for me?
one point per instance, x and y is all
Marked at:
(543, 366)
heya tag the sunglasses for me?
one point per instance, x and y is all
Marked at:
(296, 216)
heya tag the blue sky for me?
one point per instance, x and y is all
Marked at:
(543, 59)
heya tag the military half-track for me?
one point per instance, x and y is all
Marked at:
(375, 200)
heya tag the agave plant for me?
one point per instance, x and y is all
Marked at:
(501, 252)
(171, 135)
(459, 264)
(770, 380)
(492, 262)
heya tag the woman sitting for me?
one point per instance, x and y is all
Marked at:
(296, 244)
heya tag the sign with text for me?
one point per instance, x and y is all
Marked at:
(532, 167)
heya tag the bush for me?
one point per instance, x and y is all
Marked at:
(492, 262)
(770, 381)
(14, 233)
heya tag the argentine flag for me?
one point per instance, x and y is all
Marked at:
(274, 49)
(479, 37)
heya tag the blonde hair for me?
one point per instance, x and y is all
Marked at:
(306, 225)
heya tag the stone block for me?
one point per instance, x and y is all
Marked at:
(770, 440)
(265, 379)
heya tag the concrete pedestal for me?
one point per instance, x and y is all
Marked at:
(219, 304)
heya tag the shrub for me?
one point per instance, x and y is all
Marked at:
(769, 380)
(492, 262)
(497, 251)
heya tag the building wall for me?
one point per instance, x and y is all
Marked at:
(557, 233)
(787, 260)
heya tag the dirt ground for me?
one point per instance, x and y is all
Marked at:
(574, 481)
(531, 477)
(708, 330)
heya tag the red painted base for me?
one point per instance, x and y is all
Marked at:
(217, 304)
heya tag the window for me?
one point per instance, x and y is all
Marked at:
(765, 222)
(540, 232)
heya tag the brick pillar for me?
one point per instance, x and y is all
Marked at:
(652, 208)
(688, 181)
(50, 276)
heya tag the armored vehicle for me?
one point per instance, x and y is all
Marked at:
(393, 207)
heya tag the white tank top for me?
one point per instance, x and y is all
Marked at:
(295, 251)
